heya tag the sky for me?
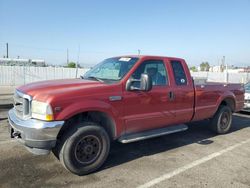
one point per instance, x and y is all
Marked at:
(197, 30)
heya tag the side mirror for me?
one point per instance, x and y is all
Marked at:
(143, 84)
(146, 82)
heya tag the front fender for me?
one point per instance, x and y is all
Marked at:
(91, 105)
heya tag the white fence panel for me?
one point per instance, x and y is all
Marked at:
(238, 77)
(222, 77)
(18, 75)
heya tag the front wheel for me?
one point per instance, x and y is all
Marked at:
(86, 149)
(221, 123)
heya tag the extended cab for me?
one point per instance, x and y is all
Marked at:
(126, 98)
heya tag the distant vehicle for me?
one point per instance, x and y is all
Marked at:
(247, 97)
(127, 99)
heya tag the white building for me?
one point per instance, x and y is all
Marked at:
(217, 68)
(27, 62)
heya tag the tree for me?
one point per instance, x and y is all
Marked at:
(204, 66)
(193, 69)
(71, 65)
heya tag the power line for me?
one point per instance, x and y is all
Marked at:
(63, 50)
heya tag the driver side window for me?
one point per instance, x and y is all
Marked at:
(155, 69)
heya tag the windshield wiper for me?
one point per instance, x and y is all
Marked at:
(94, 78)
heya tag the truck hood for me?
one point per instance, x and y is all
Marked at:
(55, 88)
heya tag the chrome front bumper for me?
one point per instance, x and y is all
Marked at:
(39, 136)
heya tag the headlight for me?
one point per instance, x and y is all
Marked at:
(41, 110)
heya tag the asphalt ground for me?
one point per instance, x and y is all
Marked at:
(194, 158)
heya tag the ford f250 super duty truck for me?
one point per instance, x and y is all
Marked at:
(128, 98)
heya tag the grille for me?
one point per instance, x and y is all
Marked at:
(22, 104)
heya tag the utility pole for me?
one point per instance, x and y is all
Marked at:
(78, 54)
(223, 60)
(7, 48)
(225, 64)
(67, 56)
(139, 51)
(226, 68)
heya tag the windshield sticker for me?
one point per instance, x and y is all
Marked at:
(125, 59)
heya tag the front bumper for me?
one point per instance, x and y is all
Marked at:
(38, 136)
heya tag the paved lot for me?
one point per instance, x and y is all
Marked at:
(195, 158)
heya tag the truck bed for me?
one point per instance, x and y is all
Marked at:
(209, 95)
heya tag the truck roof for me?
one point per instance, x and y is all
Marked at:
(151, 56)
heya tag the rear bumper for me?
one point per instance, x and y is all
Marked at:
(39, 136)
(246, 107)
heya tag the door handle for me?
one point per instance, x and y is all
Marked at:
(171, 95)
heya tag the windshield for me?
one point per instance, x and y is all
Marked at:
(112, 69)
(247, 87)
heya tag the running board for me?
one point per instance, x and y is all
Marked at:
(152, 133)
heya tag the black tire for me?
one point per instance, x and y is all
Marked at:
(85, 149)
(221, 123)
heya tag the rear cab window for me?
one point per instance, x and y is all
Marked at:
(179, 73)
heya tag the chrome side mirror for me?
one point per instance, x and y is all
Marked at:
(144, 83)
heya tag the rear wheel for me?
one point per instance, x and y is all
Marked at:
(84, 150)
(221, 123)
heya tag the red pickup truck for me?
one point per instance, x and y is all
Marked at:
(127, 98)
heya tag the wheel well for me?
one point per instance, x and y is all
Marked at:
(229, 102)
(100, 118)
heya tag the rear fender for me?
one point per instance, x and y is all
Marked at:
(226, 95)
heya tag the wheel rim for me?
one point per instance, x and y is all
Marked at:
(224, 120)
(88, 149)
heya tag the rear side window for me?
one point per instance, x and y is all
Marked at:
(179, 74)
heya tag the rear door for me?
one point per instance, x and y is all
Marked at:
(183, 91)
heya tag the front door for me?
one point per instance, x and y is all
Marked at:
(153, 109)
